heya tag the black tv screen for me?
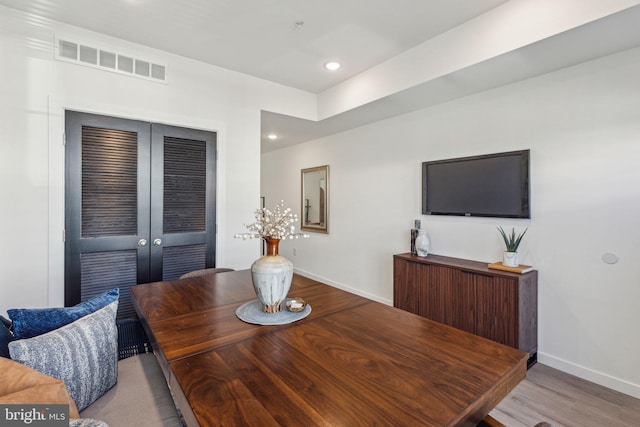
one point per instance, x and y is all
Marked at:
(492, 185)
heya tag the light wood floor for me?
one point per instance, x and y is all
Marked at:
(564, 400)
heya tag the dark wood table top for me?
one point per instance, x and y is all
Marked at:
(351, 362)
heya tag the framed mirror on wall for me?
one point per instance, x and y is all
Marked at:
(315, 199)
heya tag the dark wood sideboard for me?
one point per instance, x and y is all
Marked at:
(467, 295)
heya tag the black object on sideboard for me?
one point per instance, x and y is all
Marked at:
(467, 295)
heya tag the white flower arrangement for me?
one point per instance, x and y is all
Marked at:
(273, 224)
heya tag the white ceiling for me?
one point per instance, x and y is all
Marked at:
(261, 38)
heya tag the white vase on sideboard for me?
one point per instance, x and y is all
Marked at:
(423, 243)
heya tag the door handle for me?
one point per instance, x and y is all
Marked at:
(142, 243)
(157, 242)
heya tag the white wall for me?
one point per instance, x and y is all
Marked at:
(582, 125)
(35, 91)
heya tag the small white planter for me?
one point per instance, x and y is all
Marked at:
(510, 259)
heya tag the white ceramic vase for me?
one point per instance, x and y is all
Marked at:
(510, 259)
(423, 243)
(271, 276)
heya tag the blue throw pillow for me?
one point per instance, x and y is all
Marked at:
(83, 354)
(31, 322)
(5, 337)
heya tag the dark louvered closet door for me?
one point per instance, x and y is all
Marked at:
(183, 201)
(140, 205)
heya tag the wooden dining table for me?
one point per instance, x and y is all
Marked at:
(351, 362)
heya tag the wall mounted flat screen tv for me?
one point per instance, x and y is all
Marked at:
(492, 185)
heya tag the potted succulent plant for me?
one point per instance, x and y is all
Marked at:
(511, 242)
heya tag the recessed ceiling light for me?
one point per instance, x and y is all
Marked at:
(332, 65)
(272, 136)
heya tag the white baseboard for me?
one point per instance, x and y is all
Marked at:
(342, 286)
(585, 373)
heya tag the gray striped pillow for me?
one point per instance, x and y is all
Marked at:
(83, 354)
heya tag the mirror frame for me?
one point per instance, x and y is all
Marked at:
(322, 226)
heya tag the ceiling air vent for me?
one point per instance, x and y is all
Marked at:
(68, 50)
(89, 55)
(94, 57)
(108, 59)
(142, 68)
(125, 64)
